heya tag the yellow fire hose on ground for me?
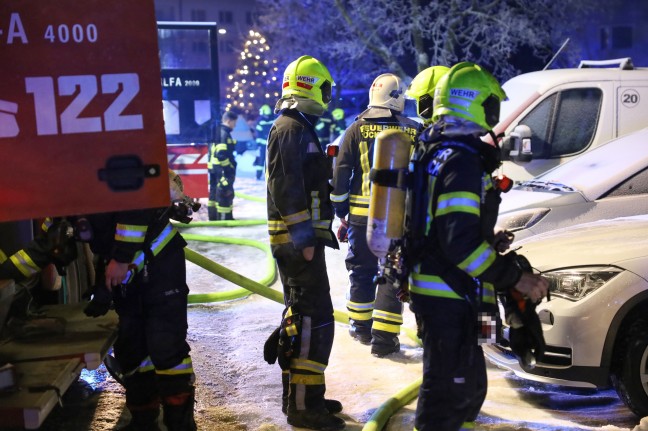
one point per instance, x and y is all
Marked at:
(382, 414)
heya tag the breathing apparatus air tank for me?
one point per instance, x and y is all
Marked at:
(387, 204)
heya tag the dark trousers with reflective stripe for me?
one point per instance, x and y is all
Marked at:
(213, 184)
(153, 323)
(454, 371)
(224, 190)
(259, 161)
(362, 265)
(307, 292)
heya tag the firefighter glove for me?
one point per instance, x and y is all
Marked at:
(289, 339)
(271, 347)
(343, 231)
(525, 334)
(100, 303)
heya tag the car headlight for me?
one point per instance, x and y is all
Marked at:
(576, 283)
(523, 219)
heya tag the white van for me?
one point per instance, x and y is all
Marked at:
(552, 116)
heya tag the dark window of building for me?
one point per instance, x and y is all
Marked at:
(198, 15)
(622, 37)
(225, 17)
(251, 18)
(605, 38)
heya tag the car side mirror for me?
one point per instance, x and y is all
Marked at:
(520, 144)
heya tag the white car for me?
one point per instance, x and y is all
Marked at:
(596, 322)
(606, 182)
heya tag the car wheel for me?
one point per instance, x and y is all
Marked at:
(630, 379)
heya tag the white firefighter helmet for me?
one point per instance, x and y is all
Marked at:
(387, 91)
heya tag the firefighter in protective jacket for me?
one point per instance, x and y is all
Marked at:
(375, 312)
(299, 223)
(262, 129)
(140, 262)
(222, 170)
(458, 269)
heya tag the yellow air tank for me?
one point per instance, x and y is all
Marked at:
(387, 204)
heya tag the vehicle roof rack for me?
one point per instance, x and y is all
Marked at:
(622, 63)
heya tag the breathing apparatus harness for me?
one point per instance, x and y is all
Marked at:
(428, 154)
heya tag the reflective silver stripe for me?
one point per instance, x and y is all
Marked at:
(458, 202)
(130, 233)
(156, 246)
(431, 285)
(315, 205)
(297, 217)
(339, 198)
(479, 260)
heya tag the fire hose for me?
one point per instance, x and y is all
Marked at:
(382, 414)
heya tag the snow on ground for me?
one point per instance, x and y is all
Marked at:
(237, 390)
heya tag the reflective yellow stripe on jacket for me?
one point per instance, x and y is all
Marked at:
(156, 245)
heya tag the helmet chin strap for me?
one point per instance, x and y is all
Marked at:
(495, 138)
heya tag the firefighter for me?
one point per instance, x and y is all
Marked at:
(140, 262)
(323, 129)
(262, 128)
(222, 170)
(299, 223)
(421, 89)
(375, 313)
(339, 123)
(458, 269)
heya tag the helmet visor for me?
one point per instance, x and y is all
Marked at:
(491, 110)
(424, 106)
(326, 92)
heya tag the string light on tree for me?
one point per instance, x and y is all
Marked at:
(255, 81)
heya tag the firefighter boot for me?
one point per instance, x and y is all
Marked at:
(142, 401)
(212, 213)
(333, 406)
(179, 411)
(316, 419)
(143, 418)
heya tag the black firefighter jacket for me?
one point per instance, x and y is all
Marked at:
(299, 206)
(458, 260)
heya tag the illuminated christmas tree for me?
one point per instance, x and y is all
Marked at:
(255, 81)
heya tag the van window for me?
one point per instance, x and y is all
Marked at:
(564, 123)
(635, 185)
